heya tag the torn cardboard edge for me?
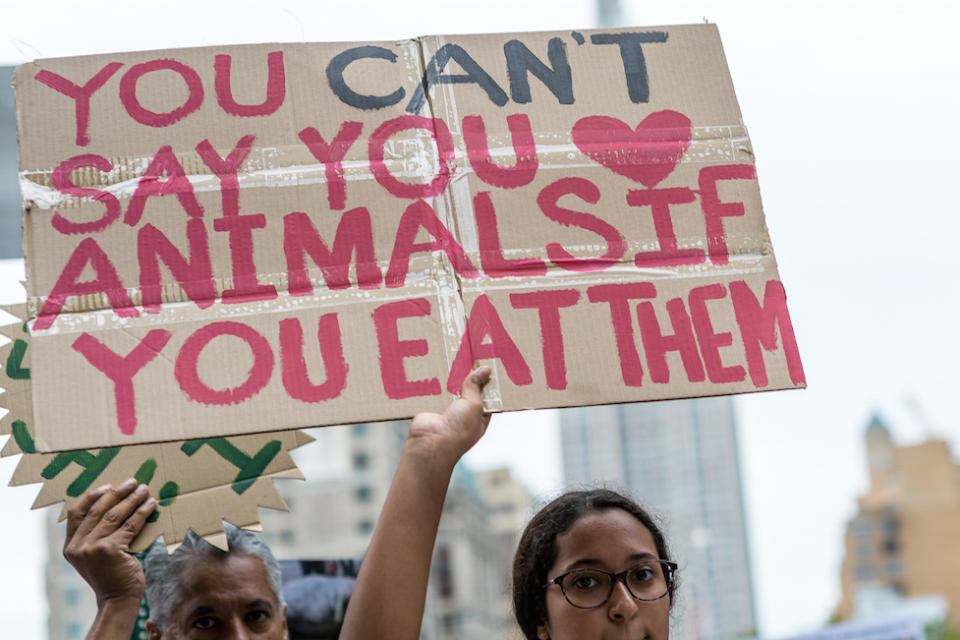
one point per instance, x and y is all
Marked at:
(215, 500)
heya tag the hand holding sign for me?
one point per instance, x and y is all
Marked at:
(100, 527)
(451, 434)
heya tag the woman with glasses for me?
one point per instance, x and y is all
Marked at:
(591, 565)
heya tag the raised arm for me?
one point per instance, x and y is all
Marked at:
(100, 527)
(389, 595)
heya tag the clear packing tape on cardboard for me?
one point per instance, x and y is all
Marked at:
(232, 240)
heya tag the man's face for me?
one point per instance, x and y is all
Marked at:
(227, 597)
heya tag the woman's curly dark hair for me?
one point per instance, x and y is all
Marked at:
(537, 550)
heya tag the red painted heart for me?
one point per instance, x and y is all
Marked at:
(647, 154)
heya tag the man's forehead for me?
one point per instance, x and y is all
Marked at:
(239, 579)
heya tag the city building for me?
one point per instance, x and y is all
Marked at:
(905, 537)
(510, 508)
(332, 513)
(469, 575)
(10, 206)
(72, 604)
(679, 459)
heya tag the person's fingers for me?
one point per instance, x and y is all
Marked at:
(473, 385)
(115, 517)
(102, 506)
(77, 512)
(133, 524)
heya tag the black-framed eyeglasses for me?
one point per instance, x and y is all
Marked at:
(590, 588)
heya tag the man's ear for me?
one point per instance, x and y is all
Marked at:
(153, 631)
(286, 632)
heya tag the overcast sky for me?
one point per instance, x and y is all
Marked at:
(851, 109)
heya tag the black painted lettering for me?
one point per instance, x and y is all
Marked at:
(634, 65)
(473, 73)
(520, 61)
(339, 86)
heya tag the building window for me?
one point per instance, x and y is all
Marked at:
(861, 527)
(74, 630)
(363, 494)
(444, 572)
(286, 537)
(891, 524)
(365, 526)
(361, 461)
(359, 429)
(449, 623)
(72, 596)
(864, 573)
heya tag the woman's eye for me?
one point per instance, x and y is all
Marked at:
(642, 574)
(585, 582)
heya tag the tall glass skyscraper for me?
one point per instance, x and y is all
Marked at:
(679, 460)
(9, 189)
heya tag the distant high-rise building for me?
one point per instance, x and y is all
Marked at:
(609, 13)
(10, 207)
(905, 538)
(679, 460)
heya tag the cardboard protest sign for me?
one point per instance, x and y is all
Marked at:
(229, 240)
(198, 483)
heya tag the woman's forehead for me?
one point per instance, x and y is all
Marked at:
(608, 537)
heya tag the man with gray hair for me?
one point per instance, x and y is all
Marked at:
(197, 592)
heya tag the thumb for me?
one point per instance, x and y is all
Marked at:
(474, 383)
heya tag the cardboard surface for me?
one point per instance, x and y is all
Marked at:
(230, 240)
(198, 484)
